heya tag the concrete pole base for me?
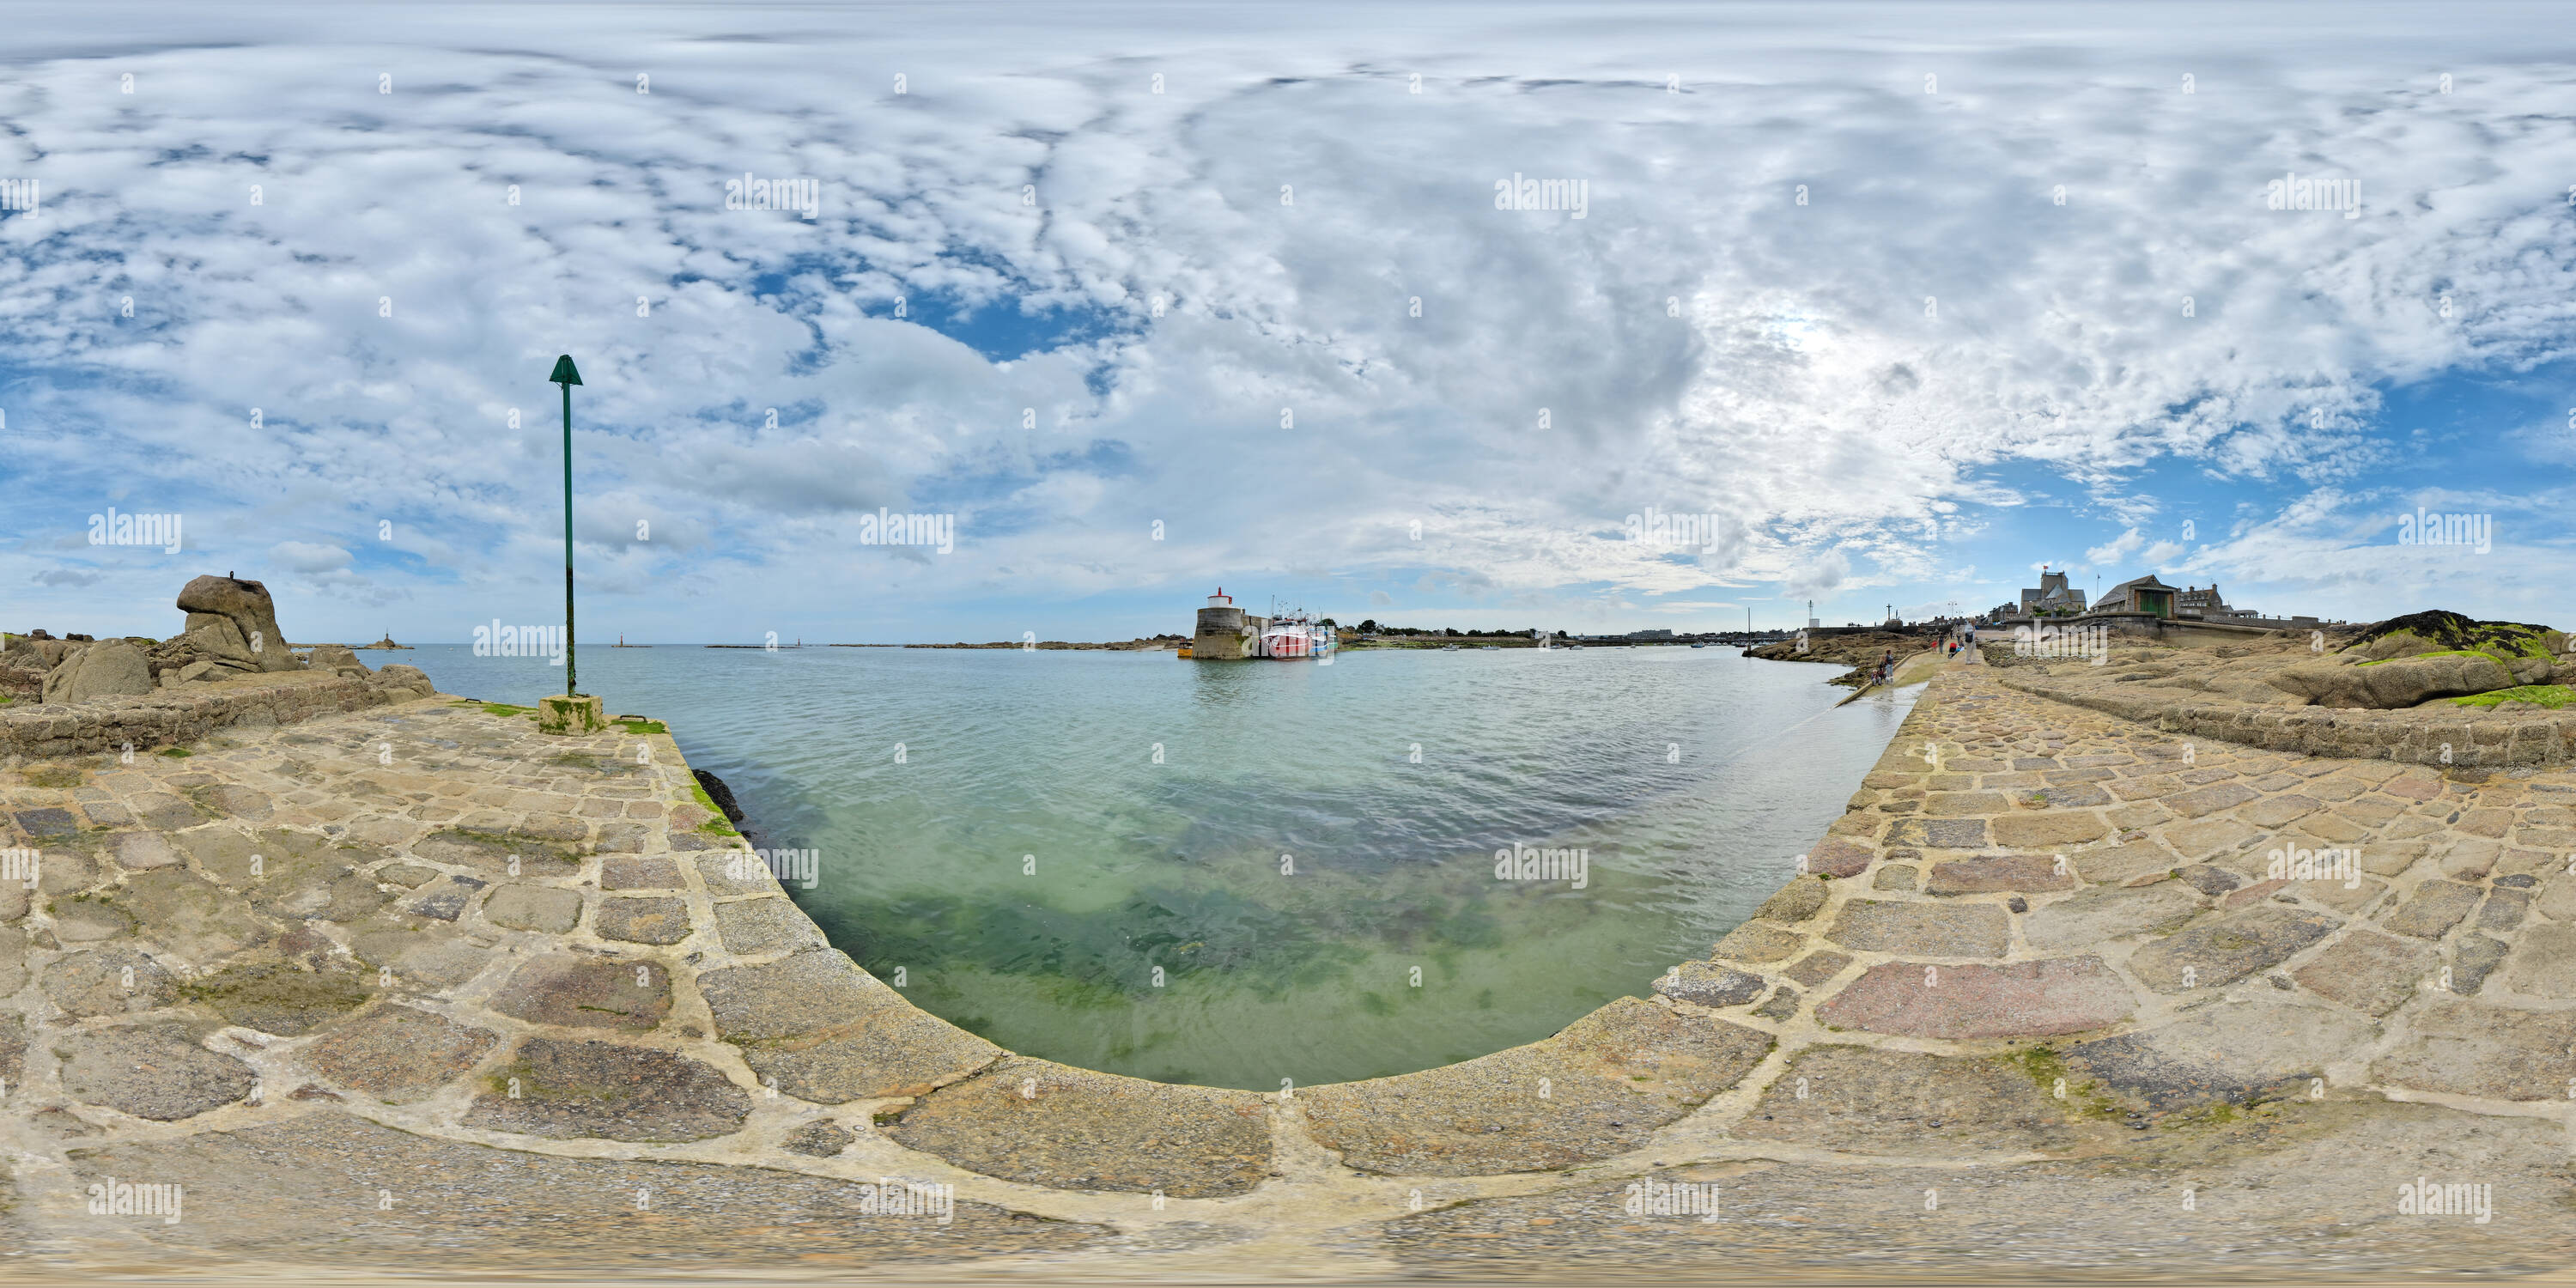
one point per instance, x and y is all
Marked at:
(570, 715)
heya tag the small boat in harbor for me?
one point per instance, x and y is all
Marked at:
(1291, 636)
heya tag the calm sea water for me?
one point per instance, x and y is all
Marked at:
(1237, 873)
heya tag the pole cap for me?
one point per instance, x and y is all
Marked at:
(565, 372)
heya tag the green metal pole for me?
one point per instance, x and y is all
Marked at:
(569, 688)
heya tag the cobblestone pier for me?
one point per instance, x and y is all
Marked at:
(416, 989)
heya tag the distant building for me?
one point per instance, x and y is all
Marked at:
(2138, 595)
(1650, 635)
(2205, 603)
(2051, 596)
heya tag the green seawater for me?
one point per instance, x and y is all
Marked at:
(1236, 874)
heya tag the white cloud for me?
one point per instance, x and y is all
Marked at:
(1835, 378)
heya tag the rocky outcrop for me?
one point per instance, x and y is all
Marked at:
(234, 622)
(111, 669)
(339, 660)
(2351, 681)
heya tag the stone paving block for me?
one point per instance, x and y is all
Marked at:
(2107, 914)
(2210, 837)
(2370, 972)
(2210, 799)
(480, 1212)
(1897, 877)
(1612, 1078)
(1754, 942)
(1042, 1123)
(399, 1054)
(657, 919)
(2504, 909)
(279, 997)
(1709, 984)
(13, 1053)
(162, 811)
(2228, 948)
(155, 1071)
(1837, 857)
(828, 1032)
(1814, 969)
(2279, 811)
(1936, 833)
(419, 952)
(13, 960)
(545, 909)
(2473, 1048)
(2233, 1052)
(106, 981)
(446, 900)
(2121, 864)
(731, 872)
(2042, 831)
(88, 919)
(2470, 859)
(639, 872)
(2002, 873)
(819, 1140)
(1964, 804)
(2473, 958)
(1794, 902)
(39, 824)
(141, 851)
(491, 852)
(2543, 963)
(1925, 929)
(1907, 1104)
(774, 925)
(2433, 909)
(2025, 999)
(580, 991)
(410, 876)
(606, 1091)
(236, 801)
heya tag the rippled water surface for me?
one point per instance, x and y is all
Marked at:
(1238, 873)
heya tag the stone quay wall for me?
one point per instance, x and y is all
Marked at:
(418, 985)
(172, 717)
(2410, 736)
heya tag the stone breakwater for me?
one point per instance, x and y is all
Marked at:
(179, 716)
(417, 981)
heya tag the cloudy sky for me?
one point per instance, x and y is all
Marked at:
(1892, 304)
